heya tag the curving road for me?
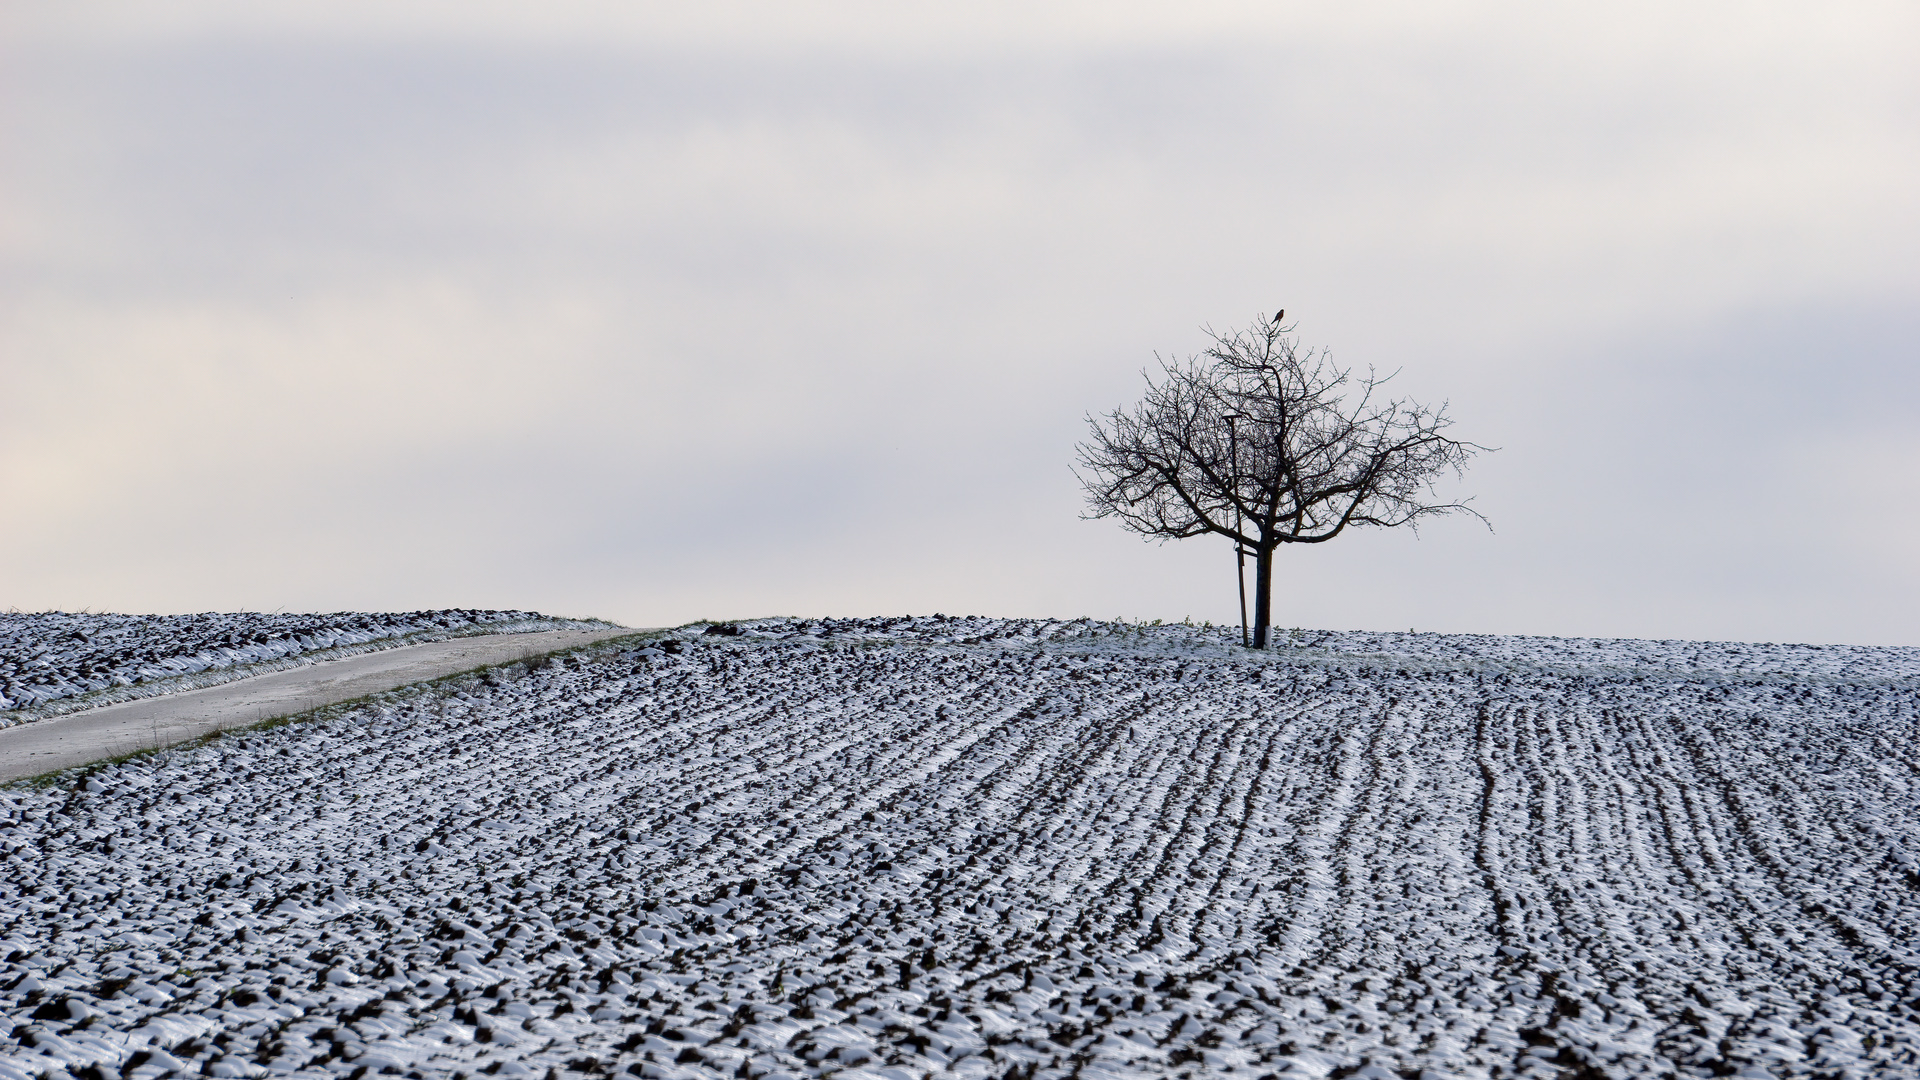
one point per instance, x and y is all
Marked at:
(81, 738)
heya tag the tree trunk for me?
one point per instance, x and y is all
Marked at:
(1262, 595)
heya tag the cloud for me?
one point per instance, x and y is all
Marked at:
(658, 312)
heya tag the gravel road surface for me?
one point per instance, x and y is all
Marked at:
(67, 741)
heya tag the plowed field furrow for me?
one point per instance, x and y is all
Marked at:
(992, 855)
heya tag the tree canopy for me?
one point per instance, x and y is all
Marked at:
(1267, 444)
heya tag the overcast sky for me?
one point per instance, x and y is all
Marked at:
(659, 312)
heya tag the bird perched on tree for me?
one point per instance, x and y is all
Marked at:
(1279, 315)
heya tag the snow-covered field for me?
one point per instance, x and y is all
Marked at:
(52, 661)
(897, 847)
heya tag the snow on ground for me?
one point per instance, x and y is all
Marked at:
(52, 660)
(1482, 652)
(893, 848)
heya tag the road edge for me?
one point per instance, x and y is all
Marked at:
(79, 772)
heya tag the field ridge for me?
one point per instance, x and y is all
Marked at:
(888, 848)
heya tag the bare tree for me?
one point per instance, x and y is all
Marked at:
(1266, 445)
